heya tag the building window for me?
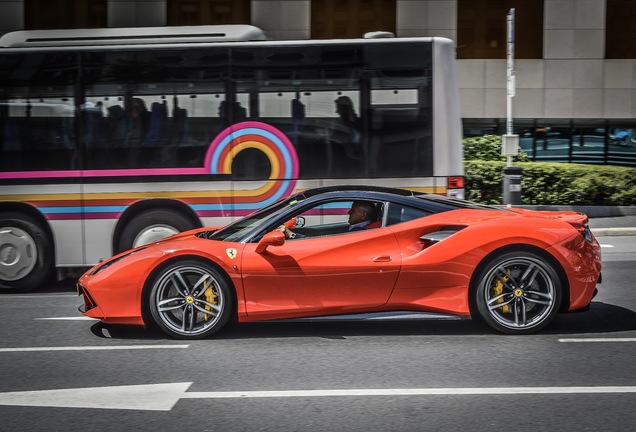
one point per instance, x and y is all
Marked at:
(205, 12)
(334, 19)
(482, 33)
(620, 34)
(65, 14)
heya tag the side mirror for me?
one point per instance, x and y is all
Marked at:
(272, 238)
(295, 222)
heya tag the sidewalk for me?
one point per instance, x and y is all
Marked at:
(613, 226)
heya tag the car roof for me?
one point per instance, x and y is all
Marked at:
(357, 188)
(431, 202)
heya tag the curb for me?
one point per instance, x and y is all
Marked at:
(610, 232)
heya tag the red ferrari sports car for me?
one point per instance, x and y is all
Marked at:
(510, 268)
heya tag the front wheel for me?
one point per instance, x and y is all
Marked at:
(190, 300)
(518, 293)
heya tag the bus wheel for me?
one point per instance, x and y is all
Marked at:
(26, 258)
(150, 226)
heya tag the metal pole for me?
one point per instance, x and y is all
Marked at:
(510, 55)
(510, 143)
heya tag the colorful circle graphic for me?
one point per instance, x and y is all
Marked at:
(272, 142)
(279, 150)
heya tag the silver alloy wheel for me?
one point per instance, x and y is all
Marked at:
(18, 253)
(520, 293)
(188, 300)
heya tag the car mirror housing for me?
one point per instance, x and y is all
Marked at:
(295, 222)
(272, 238)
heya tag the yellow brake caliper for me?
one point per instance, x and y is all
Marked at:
(497, 290)
(210, 297)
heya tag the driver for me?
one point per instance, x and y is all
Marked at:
(361, 216)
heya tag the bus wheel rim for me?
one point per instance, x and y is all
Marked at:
(18, 254)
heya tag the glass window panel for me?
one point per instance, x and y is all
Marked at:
(203, 12)
(482, 28)
(159, 109)
(620, 33)
(37, 112)
(65, 14)
(333, 19)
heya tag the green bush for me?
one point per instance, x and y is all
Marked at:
(488, 147)
(553, 183)
(544, 183)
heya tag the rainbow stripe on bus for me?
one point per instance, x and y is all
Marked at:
(221, 153)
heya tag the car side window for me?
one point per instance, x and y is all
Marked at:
(331, 218)
(398, 213)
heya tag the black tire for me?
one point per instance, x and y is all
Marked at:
(26, 253)
(190, 300)
(139, 230)
(517, 293)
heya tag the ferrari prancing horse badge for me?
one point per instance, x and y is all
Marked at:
(231, 252)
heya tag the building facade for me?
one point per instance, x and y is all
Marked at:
(575, 59)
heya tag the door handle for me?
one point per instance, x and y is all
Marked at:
(382, 258)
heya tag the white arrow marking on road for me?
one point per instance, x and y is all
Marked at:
(154, 397)
(163, 397)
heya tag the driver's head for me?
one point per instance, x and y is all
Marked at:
(361, 211)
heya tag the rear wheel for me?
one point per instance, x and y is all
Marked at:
(26, 255)
(190, 300)
(151, 226)
(518, 293)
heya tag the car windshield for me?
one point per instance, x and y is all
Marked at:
(238, 229)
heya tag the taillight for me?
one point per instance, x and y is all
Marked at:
(456, 182)
(585, 231)
(455, 187)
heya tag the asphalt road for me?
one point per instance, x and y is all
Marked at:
(61, 372)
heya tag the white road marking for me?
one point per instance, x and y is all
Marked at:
(468, 391)
(163, 397)
(92, 348)
(73, 318)
(606, 246)
(592, 340)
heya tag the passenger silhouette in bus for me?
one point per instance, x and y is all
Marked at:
(298, 117)
(347, 130)
(158, 132)
(117, 126)
(138, 122)
(239, 113)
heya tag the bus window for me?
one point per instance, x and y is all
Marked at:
(37, 133)
(328, 133)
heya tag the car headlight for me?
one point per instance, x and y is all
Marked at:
(113, 261)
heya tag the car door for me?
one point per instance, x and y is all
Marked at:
(335, 274)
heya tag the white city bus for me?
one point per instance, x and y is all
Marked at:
(112, 138)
